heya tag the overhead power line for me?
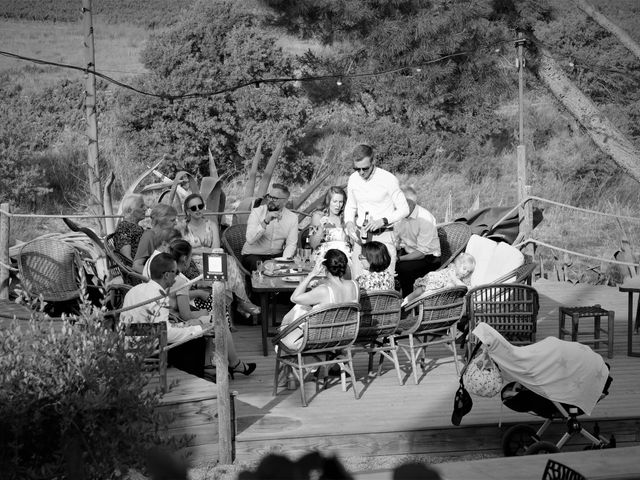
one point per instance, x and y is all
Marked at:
(339, 77)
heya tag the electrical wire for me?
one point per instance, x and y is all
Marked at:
(255, 82)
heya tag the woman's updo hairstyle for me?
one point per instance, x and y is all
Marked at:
(161, 211)
(336, 262)
(179, 248)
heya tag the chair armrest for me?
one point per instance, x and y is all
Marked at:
(522, 273)
(289, 328)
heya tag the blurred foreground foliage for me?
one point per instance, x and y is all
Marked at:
(74, 403)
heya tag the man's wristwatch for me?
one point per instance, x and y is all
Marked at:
(385, 222)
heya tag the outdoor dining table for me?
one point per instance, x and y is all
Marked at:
(632, 286)
(266, 286)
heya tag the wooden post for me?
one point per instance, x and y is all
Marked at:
(525, 211)
(225, 439)
(95, 190)
(5, 229)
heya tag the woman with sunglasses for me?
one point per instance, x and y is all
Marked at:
(204, 236)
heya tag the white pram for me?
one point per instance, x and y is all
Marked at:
(553, 379)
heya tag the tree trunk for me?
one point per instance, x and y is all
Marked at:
(605, 135)
(608, 25)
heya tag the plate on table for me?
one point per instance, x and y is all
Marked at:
(292, 279)
(284, 259)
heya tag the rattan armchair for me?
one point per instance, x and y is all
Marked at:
(118, 264)
(379, 320)
(233, 239)
(328, 331)
(453, 237)
(49, 268)
(430, 320)
(512, 309)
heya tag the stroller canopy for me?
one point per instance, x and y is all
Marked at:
(565, 372)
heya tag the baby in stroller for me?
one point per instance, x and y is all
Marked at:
(553, 379)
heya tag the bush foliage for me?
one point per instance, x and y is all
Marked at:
(73, 403)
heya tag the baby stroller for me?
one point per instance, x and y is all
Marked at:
(552, 379)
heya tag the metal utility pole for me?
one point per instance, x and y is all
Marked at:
(525, 212)
(95, 189)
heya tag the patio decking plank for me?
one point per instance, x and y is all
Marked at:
(390, 419)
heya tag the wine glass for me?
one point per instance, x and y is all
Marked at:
(269, 267)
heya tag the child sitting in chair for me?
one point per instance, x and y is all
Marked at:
(458, 273)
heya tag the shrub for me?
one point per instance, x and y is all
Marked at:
(74, 403)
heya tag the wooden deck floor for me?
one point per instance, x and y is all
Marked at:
(390, 419)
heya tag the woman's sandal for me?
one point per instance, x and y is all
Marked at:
(247, 309)
(247, 368)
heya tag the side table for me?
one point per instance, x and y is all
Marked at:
(593, 336)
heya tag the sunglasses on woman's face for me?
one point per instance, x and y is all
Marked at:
(195, 208)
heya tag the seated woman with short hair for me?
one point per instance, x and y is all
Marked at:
(375, 260)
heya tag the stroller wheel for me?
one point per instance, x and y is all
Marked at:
(541, 447)
(517, 439)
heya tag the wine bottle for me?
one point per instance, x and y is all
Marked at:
(363, 233)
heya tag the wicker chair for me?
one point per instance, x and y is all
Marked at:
(453, 237)
(379, 319)
(430, 320)
(49, 268)
(144, 334)
(233, 239)
(328, 331)
(119, 264)
(511, 309)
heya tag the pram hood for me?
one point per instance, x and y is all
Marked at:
(565, 372)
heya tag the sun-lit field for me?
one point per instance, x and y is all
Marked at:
(117, 49)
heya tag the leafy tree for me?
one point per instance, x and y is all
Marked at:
(214, 46)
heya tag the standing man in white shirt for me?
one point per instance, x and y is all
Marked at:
(374, 191)
(272, 229)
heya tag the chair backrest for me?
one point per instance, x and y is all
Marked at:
(511, 309)
(233, 239)
(379, 314)
(154, 338)
(453, 240)
(440, 310)
(331, 328)
(50, 268)
(558, 471)
(118, 264)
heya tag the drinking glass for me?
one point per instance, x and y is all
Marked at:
(269, 267)
(259, 268)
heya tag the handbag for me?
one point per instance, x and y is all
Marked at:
(482, 376)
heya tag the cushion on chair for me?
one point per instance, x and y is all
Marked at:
(493, 259)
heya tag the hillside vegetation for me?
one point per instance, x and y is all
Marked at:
(449, 126)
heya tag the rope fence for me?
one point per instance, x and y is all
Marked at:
(571, 252)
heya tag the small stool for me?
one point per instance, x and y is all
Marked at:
(595, 312)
